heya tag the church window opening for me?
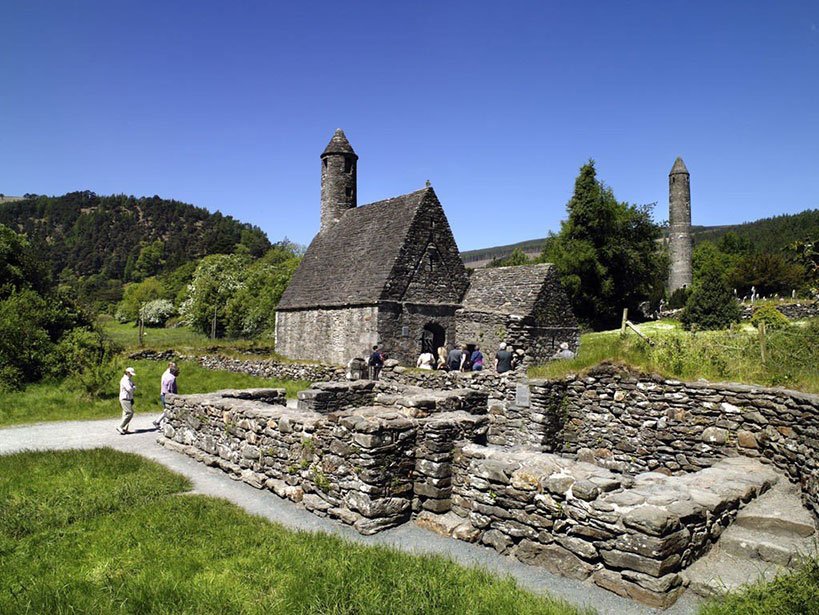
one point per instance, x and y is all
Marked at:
(348, 165)
(349, 192)
(325, 163)
(433, 260)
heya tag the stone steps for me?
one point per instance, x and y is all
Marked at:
(768, 537)
(718, 573)
(764, 546)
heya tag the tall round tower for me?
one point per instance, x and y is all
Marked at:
(338, 179)
(679, 222)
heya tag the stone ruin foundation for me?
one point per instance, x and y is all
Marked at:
(619, 478)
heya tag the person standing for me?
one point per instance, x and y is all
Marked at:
(456, 357)
(376, 362)
(503, 359)
(442, 364)
(167, 385)
(426, 360)
(126, 399)
(476, 359)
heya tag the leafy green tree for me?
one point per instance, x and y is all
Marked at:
(217, 279)
(517, 257)
(150, 260)
(135, 296)
(251, 310)
(606, 252)
(712, 304)
(769, 272)
(18, 266)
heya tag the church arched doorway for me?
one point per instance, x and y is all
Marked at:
(433, 336)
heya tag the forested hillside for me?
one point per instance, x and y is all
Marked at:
(765, 235)
(769, 234)
(125, 238)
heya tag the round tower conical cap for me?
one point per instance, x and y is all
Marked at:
(679, 167)
(339, 145)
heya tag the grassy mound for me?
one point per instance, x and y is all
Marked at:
(791, 354)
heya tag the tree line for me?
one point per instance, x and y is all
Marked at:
(610, 256)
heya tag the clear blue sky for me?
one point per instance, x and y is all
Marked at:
(227, 105)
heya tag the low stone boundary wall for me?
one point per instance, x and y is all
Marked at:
(577, 519)
(366, 466)
(632, 422)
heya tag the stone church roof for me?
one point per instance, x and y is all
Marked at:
(506, 290)
(350, 263)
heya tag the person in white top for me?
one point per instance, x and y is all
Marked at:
(426, 360)
(126, 399)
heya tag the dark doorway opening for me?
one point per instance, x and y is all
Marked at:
(433, 336)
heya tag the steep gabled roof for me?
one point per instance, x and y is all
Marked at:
(506, 290)
(350, 262)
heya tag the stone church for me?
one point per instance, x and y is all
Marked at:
(390, 273)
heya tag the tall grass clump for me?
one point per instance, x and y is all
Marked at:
(791, 354)
(796, 593)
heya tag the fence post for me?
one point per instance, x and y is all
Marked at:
(141, 330)
(763, 343)
(625, 319)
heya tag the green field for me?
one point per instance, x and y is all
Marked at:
(65, 400)
(106, 532)
(183, 340)
(791, 354)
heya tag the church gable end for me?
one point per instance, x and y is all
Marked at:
(428, 268)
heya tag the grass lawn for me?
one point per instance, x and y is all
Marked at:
(792, 354)
(103, 532)
(184, 340)
(65, 401)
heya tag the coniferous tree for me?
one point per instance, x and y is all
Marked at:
(606, 252)
(711, 304)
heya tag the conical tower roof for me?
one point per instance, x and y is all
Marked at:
(679, 166)
(339, 145)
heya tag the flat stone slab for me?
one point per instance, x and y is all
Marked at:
(779, 511)
(720, 572)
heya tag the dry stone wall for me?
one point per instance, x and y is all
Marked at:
(633, 422)
(633, 536)
(358, 464)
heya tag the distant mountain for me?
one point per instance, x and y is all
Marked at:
(116, 235)
(765, 235)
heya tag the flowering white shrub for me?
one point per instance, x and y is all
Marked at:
(155, 313)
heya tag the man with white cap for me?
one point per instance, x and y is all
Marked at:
(126, 399)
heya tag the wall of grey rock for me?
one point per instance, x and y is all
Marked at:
(331, 335)
(794, 311)
(632, 422)
(633, 536)
(359, 464)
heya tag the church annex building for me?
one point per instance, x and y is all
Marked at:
(390, 273)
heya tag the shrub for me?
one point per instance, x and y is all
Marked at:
(711, 304)
(773, 318)
(679, 298)
(78, 350)
(157, 312)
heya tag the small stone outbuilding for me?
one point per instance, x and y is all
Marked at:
(390, 273)
(523, 306)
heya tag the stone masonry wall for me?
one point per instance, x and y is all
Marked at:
(358, 464)
(330, 335)
(633, 536)
(633, 422)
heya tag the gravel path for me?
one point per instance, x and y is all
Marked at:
(409, 537)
